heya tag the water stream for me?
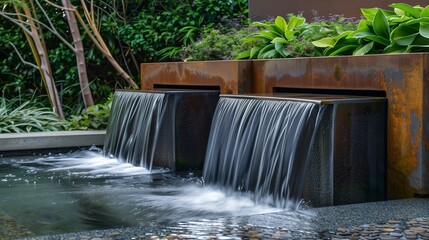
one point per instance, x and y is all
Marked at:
(133, 127)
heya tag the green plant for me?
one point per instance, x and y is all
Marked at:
(17, 118)
(272, 40)
(95, 117)
(406, 29)
(162, 28)
(281, 39)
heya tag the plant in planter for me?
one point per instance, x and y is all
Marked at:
(292, 38)
(406, 29)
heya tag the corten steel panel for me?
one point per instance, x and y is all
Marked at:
(265, 9)
(404, 79)
(229, 76)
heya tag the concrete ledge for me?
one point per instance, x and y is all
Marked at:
(49, 140)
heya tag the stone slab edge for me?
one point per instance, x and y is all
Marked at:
(48, 140)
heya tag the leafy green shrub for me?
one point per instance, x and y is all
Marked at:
(273, 39)
(95, 118)
(282, 39)
(17, 118)
(406, 29)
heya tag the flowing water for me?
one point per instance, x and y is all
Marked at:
(133, 127)
(261, 147)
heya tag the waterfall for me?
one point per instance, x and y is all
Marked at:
(261, 147)
(133, 127)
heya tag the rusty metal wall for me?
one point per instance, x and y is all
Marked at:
(265, 9)
(228, 76)
(404, 78)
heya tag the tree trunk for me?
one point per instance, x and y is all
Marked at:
(44, 64)
(79, 52)
(96, 37)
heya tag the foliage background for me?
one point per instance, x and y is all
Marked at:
(135, 31)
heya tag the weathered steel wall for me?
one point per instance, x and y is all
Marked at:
(228, 76)
(404, 78)
(265, 9)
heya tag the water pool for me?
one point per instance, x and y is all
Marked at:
(83, 190)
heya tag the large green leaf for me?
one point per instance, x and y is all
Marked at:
(363, 49)
(404, 35)
(381, 25)
(281, 23)
(408, 10)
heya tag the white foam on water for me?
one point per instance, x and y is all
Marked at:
(192, 198)
(88, 162)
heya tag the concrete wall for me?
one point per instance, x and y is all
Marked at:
(50, 140)
(263, 9)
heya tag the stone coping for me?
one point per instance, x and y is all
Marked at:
(50, 140)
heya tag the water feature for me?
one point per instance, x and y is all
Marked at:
(282, 148)
(259, 155)
(163, 128)
(261, 147)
